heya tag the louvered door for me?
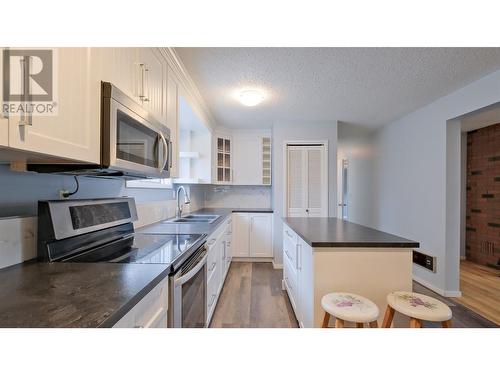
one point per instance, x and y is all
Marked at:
(306, 181)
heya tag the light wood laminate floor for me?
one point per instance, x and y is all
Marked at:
(480, 288)
(252, 297)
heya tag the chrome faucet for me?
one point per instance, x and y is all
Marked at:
(186, 201)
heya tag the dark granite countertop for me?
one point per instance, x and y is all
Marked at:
(333, 232)
(73, 294)
(34, 294)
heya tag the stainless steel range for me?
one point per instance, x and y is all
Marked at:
(101, 230)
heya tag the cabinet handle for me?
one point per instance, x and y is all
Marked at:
(288, 234)
(298, 254)
(146, 85)
(287, 255)
(25, 120)
(211, 242)
(139, 326)
(224, 250)
(213, 300)
(213, 266)
(142, 94)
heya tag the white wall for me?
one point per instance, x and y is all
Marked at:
(355, 144)
(283, 132)
(412, 171)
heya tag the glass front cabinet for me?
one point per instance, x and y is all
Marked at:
(223, 173)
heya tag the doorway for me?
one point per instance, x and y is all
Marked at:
(306, 179)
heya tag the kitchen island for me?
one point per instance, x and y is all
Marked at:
(324, 255)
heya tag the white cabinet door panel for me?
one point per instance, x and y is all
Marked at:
(74, 133)
(241, 233)
(247, 156)
(261, 235)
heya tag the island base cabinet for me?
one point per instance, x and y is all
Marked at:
(149, 312)
(372, 273)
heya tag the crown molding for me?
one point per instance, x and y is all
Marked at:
(188, 84)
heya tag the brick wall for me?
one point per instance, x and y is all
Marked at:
(482, 240)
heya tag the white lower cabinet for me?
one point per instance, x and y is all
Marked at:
(253, 235)
(298, 277)
(149, 312)
(218, 264)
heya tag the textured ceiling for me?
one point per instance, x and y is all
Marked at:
(365, 86)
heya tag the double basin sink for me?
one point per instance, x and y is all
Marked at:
(206, 219)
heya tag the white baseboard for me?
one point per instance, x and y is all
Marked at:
(442, 292)
(283, 285)
(277, 266)
(248, 259)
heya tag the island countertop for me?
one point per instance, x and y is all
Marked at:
(333, 232)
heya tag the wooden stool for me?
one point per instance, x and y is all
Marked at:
(349, 307)
(418, 307)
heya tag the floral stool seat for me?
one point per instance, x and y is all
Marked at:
(349, 307)
(418, 307)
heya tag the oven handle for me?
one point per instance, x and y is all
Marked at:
(181, 280)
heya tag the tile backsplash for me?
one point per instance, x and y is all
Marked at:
(237, 196)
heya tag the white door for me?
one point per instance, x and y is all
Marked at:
(307, 181)
(241, 231)
(261, 235)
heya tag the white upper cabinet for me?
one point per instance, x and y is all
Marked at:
(173, 119)
(247, 153)
(243, 158)
(74, 133)
(153, 82)
(223, 159)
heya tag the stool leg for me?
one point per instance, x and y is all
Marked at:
(359, 325)
(389, 315)
(339, 323)
(326, 320)
(415, 323)
(374, 324)
(446, 324)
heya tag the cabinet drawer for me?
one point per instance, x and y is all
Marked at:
(212, 290)
(153, 307)
(291, 285)
(290, 235)
(212, 261)
(290, 251)
(149, 312)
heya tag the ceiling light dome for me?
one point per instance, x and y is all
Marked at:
(251, 98)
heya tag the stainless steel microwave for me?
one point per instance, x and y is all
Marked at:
(133, 142)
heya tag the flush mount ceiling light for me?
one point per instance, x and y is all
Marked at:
(250, 98)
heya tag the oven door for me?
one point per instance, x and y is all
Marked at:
(188, 293)
(133, 141)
